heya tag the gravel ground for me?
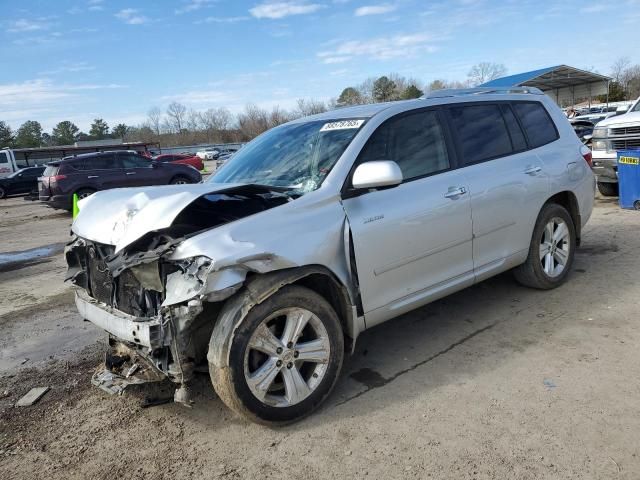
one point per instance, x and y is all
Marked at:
(497, 381)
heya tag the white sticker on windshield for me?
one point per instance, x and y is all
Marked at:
(341, 125)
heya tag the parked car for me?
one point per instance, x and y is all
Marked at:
(321, 228)
(621, 132)
(86, 174)
(182, 159)
(208, 154)
(21, 181)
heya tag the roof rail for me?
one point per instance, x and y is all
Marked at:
(456, 92)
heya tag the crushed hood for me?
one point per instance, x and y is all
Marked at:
(121, 216)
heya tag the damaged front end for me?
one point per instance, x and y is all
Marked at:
(157, 311)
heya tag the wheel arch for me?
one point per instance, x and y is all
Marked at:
(569, 201)
(258, 287)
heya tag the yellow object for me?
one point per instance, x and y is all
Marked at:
(76, 210)
(629, 160)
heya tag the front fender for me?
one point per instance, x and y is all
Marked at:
(256, 290)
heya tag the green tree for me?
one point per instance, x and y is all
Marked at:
(411, 92)
(120, 131)
(6, 135)
(384, 90)
(437, 85)
(29, 135)
(616, 93)
(99, 129)
(64, 133)
(349, 96)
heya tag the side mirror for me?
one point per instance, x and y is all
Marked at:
(155, 164)
(381, 173)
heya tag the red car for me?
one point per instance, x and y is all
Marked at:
(195, 162)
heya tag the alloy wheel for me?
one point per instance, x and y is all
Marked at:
(554, 247)
(287, 357)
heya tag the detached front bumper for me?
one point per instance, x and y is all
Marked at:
(143, 332)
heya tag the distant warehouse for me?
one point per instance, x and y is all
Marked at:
(566, 85)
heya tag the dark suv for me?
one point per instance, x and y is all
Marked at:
(20, 181)
(88, 173)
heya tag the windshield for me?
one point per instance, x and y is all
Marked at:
(295, 156)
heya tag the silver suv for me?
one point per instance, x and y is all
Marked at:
(322, 228)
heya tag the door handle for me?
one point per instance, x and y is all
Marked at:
(533, 170)
(92, 176)
(455, 192)
(131, 173)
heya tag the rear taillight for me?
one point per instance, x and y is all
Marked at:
(57, 178)
(586, 154)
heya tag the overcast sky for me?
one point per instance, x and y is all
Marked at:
(81, 59)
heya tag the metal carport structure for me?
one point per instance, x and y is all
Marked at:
(564, 84)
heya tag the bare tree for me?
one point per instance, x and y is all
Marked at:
(278, 116)
(154, 117)
(366, 90)
(176, 113)
(630, 81)
(253, 121)
(618, 68)
(485, 72)
(308, 107)
(215, 121)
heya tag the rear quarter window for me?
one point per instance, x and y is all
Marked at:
(51, 170)
(536, 122)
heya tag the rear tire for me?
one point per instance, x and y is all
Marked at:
(551, 251)
(179, 180)
(3, 193)
(84, 193)
(608, 189)
(284, 358)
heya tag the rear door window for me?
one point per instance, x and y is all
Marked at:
(101, 162)
(414, 141)
(131, 160)
(51, 171)
(536, 122)
(482, 132)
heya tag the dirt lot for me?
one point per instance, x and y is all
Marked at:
(497, 381)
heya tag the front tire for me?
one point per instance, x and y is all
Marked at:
(284, 358)
(3, 193)
(608, 189)
(551, 251)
